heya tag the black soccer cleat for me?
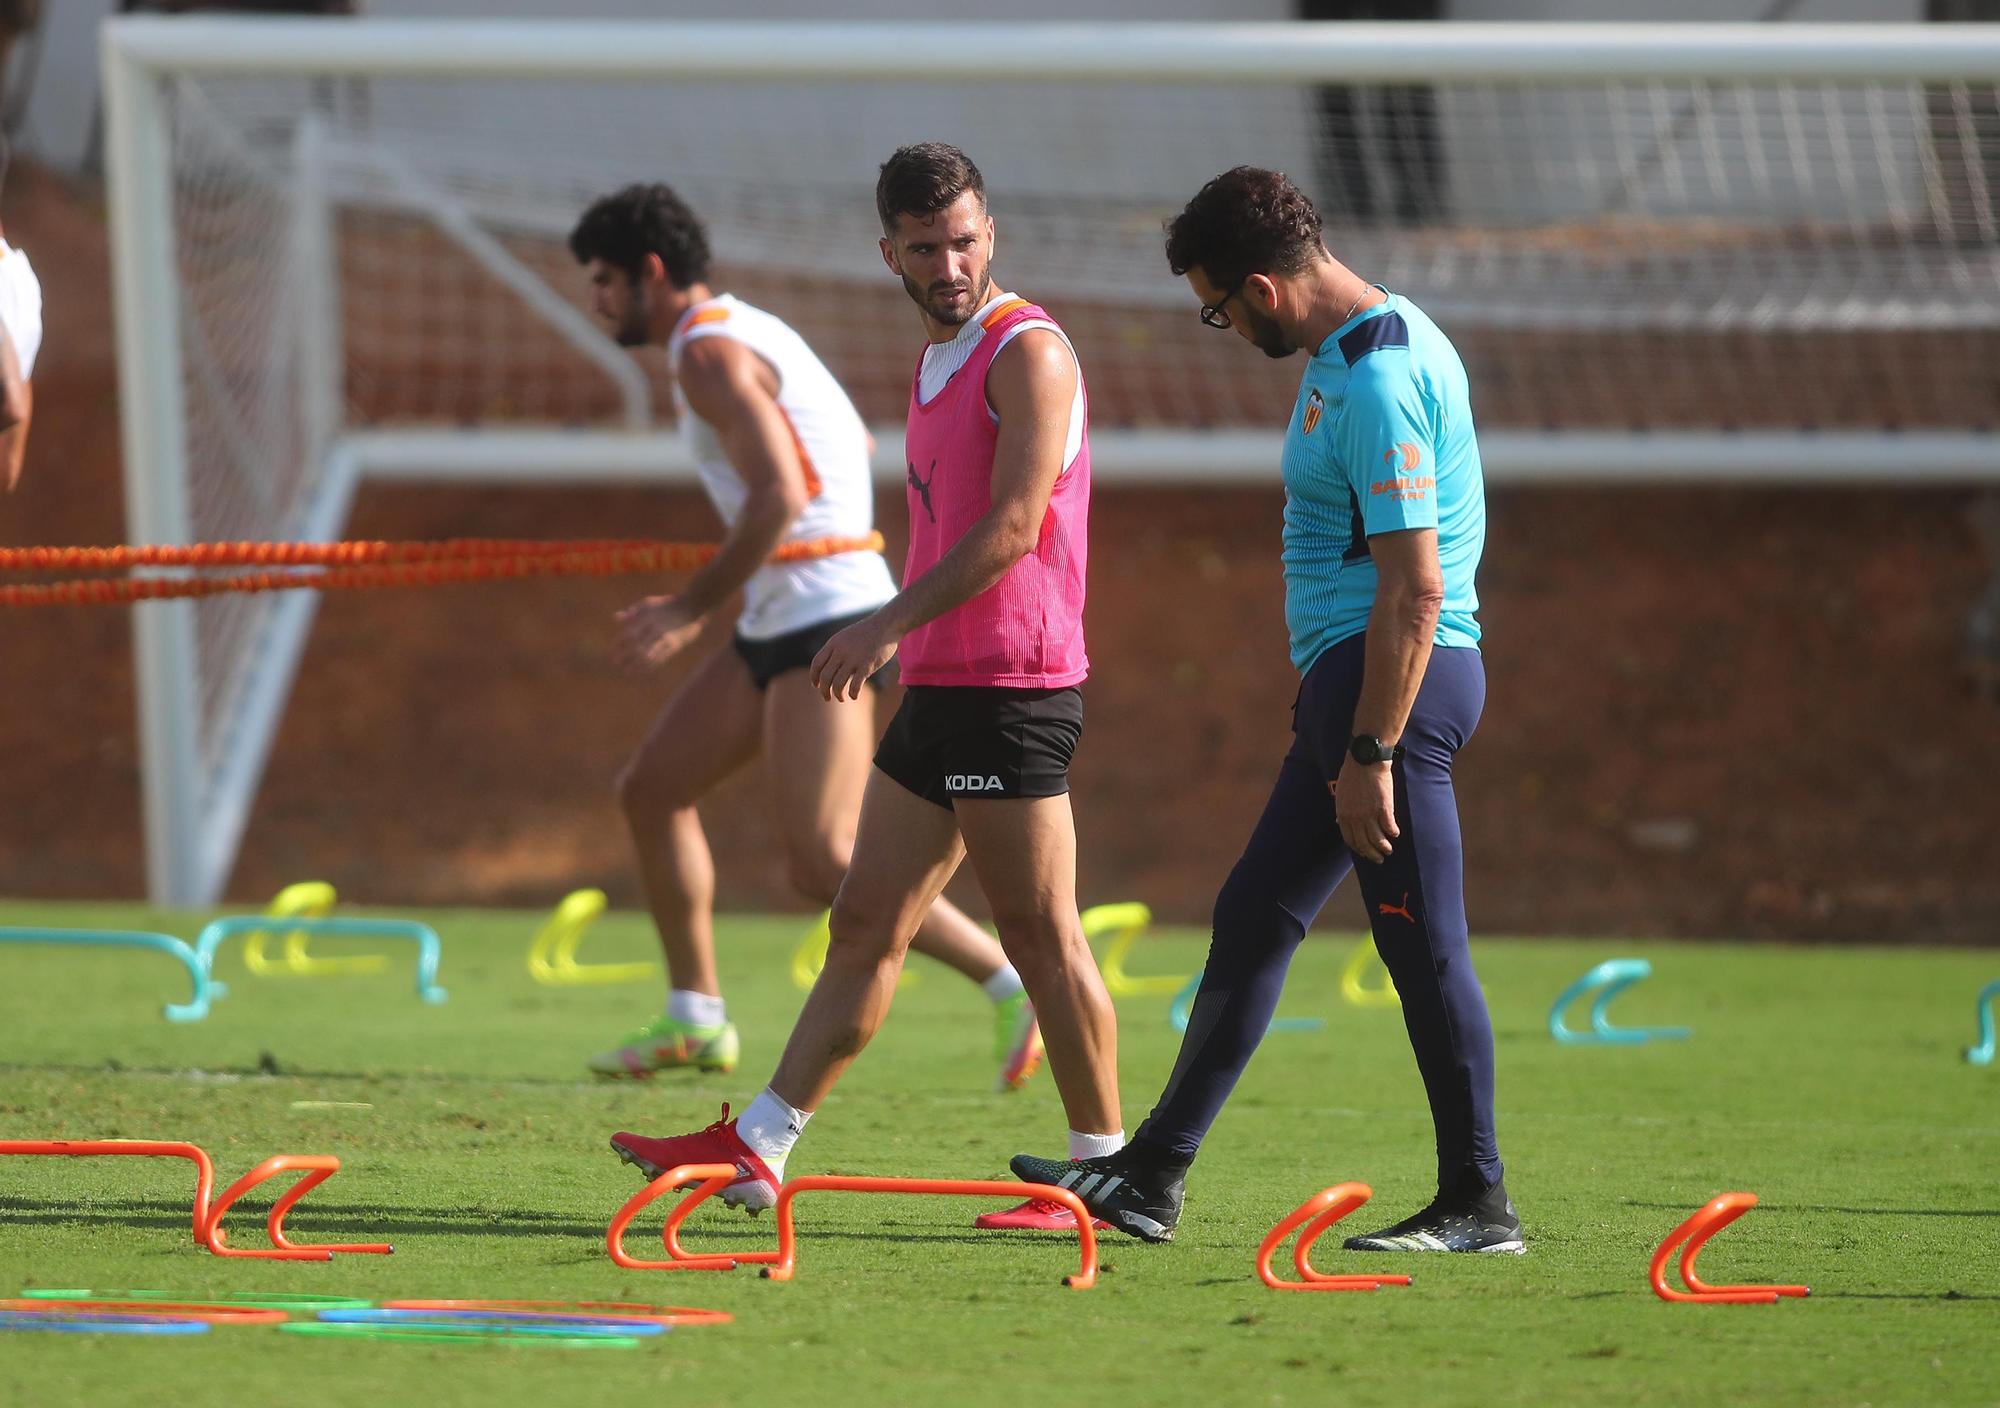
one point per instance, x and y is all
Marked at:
(1135, 1197)
(1488, 1223)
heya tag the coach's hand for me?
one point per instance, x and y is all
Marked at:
(844, 663)
(653, 631)
(1364, 803)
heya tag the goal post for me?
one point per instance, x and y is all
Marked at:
(1683, 252)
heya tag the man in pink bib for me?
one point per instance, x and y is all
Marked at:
(976, 761)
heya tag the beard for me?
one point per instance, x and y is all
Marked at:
(632, 330)
(927, 298)
(1265, 334)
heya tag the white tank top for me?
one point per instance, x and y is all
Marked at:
(21, 306)
(833, 448)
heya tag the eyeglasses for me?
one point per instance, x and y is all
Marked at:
(1213, 314)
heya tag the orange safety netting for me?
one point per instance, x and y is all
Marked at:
(360, 565)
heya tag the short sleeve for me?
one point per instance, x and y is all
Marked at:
(1387, 445)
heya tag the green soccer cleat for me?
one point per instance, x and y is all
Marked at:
(665, 1044)
(1017, 1041)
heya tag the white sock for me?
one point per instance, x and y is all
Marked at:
(1004, 983)
(770, 1127)
(1095, 1146)
(696, 1008)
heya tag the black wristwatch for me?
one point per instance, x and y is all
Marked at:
(1367, 748)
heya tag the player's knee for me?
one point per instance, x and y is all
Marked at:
(859, 932)
(1240, 904)
(816, 868)
(647, 800)
(1246, 909)
(1061, 969)
(1039, 939)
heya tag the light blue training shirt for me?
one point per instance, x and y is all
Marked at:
(1381, 440)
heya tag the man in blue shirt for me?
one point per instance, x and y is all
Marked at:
(1385, 517)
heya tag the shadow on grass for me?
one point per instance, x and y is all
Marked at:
(279, 1070)
(1901, 1295)
(314, 1219)
(308, 1220)
(1826, 1207)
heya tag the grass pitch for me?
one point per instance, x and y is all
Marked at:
(1830, 1083)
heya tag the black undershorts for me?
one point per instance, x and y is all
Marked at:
(794, 650)
(952, 741)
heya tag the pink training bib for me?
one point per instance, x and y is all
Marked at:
(1026, 630)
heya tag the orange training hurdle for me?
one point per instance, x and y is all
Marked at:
(1321, 1210)
(780, 1264)
(204, 1171)
(1714, 1215)
(208, 1216)
(317, 1169)
(711, 1178)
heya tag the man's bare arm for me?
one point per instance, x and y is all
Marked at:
(736, 392)
(17, 412)
(1409, 595)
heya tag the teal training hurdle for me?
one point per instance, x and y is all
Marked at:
(193, 1010)
(429, 950)
(1989, 1039)
(1607, 980)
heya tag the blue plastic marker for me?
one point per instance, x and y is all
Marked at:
(1609, 978)
(71, 1324)
(495, 1322)
(623, 1324)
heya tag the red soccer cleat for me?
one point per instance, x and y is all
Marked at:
(755, 1188)
(1035, 1215)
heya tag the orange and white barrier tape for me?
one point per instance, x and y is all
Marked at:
(360, 566)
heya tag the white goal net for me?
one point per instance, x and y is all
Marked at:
(1684, 251)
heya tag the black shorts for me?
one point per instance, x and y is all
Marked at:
(951, 741)
(794, 650)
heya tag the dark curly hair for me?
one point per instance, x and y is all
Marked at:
(626, 226)
(1246, 221)
(923, 179)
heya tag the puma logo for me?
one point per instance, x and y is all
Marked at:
(923, 487)
(1402, 909)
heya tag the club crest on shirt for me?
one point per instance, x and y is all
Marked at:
(1315, 406)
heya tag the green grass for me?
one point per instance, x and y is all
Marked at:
(1830, 1083)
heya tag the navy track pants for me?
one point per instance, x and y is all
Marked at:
(1415, 900)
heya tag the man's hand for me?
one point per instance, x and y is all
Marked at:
(845, 663)
(1364, 802)
(653, 631)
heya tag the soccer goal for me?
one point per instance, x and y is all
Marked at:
(1766, 253)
